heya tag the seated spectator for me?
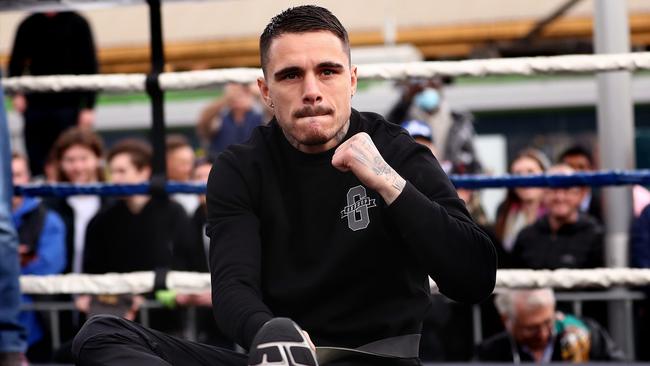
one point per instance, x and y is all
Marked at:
(135, 233)
(564, 237)
(78, 153)
(41, 234)
(229, 120)
(77, 158)
(535, 332)
(148, 228)
(522, 206)
(580, 159)
(180, 162)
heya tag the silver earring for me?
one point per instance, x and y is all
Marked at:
(272, 105)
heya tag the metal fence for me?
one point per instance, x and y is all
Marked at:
(623, 296)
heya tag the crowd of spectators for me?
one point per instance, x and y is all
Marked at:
(534, 228)
(99, 234)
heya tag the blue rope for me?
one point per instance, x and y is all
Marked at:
(594, 179)
(102, 189)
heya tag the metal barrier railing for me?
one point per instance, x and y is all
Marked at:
(576, 299)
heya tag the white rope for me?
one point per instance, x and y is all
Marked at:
(59, 83)
(75, 283)
(573, 278)
(207, 78)
(389, 71)
(192, 282)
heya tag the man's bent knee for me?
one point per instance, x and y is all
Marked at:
(96, 326)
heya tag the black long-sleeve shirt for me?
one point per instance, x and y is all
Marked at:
(118, 240)
(293, 236)
(54, 45)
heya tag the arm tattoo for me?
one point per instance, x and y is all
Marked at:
(381, 168)
(398, 183)
(360, 155)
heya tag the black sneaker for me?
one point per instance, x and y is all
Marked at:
(281, 342)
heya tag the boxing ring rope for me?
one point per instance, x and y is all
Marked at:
(389, 71)
(185, 282)
(143, 282)
(593, 179)
(192, 282)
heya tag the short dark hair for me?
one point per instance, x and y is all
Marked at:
(301, 19)
(138, 150)
(576, 150)
(176, 141)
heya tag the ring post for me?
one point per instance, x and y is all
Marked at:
(157, 136)
(616, 147)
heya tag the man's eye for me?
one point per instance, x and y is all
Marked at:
(328, 72)
(290, 76)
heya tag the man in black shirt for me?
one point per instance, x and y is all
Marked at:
(327, 216)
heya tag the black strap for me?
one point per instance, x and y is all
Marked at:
(400, 347)
(160, 279)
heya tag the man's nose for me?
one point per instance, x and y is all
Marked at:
(311, 89)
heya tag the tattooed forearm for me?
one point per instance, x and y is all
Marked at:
(360, 156)
(381, 168)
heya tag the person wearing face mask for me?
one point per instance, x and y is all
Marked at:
(453, 130)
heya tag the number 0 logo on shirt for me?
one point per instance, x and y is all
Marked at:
(357, 209)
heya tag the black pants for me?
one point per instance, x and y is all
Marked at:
(43, 125)
(110, 340)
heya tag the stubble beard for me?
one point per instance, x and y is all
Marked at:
(319, 138)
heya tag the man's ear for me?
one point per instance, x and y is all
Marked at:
(264, 91)
(353, 79)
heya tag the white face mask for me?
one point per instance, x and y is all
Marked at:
(428, 99)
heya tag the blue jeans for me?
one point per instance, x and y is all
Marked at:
(12, 335)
